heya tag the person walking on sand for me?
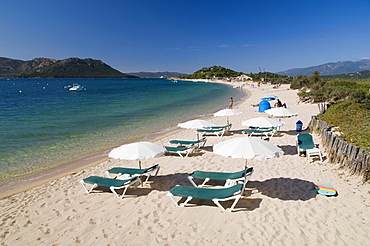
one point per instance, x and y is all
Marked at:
(231, 102)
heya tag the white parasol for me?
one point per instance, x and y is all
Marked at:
(137, 151)
(195, 124)
(262, 122)
(227, 112)
(247, 148)
(280, 112)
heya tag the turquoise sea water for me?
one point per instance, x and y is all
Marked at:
(43, 125)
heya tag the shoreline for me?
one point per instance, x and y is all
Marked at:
(280, 202)
(26, 182)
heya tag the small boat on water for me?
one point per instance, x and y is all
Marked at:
(77, 87)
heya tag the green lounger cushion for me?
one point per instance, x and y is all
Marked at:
(266, 128)
(210, 130)
(130, 171)
(218, 127)
(305, 141)
(206, 194)
(107, 182)
(175, 149)
(183, 142)
(219, 175)
(259, 130)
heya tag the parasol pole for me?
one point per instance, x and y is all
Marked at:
(198, 138)
(141, 180)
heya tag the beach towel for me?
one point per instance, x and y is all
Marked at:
(325, 189)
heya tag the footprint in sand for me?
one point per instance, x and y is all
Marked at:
(46, 231)
(27, 223)
(105, 234)
(78, 240)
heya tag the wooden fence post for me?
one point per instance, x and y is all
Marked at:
(355, 159)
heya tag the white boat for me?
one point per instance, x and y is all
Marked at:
(77, 87)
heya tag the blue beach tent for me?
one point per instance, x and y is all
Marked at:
(264, 105)
(269, 97)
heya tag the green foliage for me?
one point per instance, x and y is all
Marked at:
(361, 97)
(221, 72)
(357, 75)
(271, 77)
(352, 119)
(212, 72)
(318, 89)
(282, 80)
(350, 109)
(299, 82)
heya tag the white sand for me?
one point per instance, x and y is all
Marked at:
(281, 206)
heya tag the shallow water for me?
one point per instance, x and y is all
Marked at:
(43, 125)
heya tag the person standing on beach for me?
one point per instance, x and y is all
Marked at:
(231, 102)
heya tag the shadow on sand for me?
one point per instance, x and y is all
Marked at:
(280, 188)
(289, 149)
(285, 188)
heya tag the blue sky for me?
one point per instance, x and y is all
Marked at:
(186, 35)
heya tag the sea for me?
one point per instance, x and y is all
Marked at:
(44, 125)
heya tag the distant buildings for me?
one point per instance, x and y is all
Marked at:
(243, 78)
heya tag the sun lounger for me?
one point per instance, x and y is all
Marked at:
(181, 151)
(112, 184)
(122, 172)
(306, 145)
(219, 131)
(229, 178)
(227, 127)
(183, 143)
(268, 131)
(234, 192)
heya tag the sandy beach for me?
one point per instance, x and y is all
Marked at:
(280, 206)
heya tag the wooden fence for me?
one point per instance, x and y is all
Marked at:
(347, 155)
(323, 107)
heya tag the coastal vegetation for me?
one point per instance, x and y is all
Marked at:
(349, 106)
(212, 72)
(273, 78)
(218, 72)
(357, 75)
(318, 89)
(51, 68)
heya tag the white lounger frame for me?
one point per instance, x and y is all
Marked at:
(147, 174)
(228, 182)
(184, 153)
(215, 201)
(237, 195)
(268, 134)
(218, 133)
(113, 188)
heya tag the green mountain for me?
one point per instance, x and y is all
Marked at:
(357, 75)
(51, 68)
(212, 72)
